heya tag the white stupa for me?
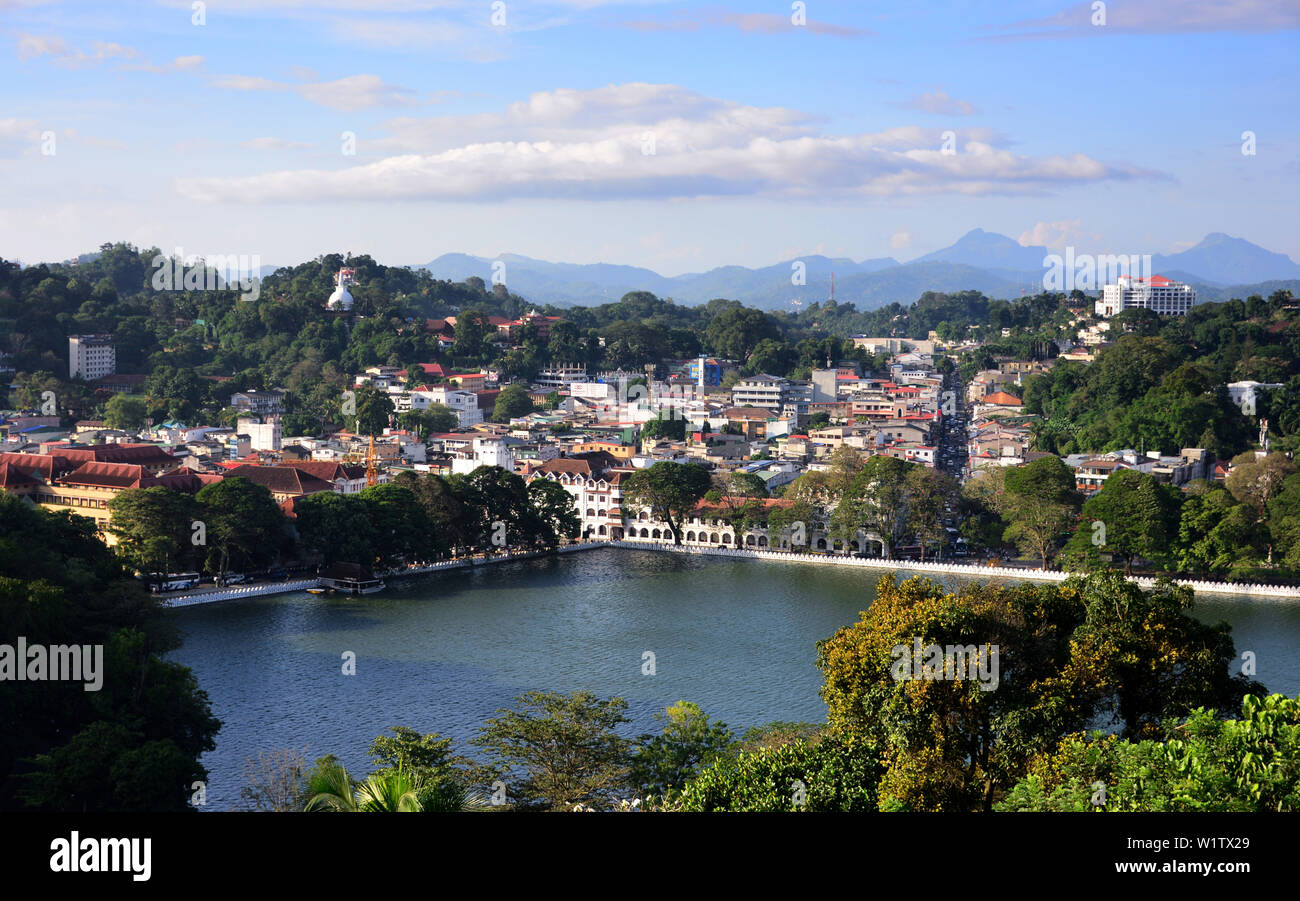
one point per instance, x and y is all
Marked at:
(341, 299)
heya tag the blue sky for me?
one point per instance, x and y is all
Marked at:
(677, 137)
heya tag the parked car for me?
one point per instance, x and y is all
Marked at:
(235, 579)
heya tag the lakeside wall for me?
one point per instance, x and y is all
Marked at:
(271, 588)
(957, 569)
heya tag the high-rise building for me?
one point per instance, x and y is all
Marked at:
(1157, 293)
(91, 356)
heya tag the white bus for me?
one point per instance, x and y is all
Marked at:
(170, 581)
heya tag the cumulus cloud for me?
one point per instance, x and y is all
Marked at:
(34, 46)
(939, 102)
(1056, 235)
(658, 141)
(900, 240)
(355, 92)
(1157, 17)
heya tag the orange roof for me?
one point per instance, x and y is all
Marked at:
(1001, 398)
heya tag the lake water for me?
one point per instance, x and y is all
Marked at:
(441, 653)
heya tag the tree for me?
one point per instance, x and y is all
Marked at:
(834, 774)
(512, 403)
(737, 331)
(124, 411)
(738, 497)
(930, 494)
(448, 518)
(373, 411)
(273, 781)
(1137, 517)
(1200, 764)
(1215, 534)
(400, 531)
(956, 725)
(1256, 481)
(556, 515)
(1039, 503)
(153, 527)
(689, 742)
(242, 524)
(502, 507)
(434, 418)
(441, 779)
(565, 745)
(662, 426)
(331, 789)
(669, 490)
(472, 328)
(336, 526)
(1284, 521)
(876, 504)
(132, 745)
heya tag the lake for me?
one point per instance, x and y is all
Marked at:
(440, 653)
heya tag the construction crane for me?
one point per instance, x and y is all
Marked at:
(372, 474)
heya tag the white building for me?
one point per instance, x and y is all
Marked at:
(263, 435)
(483, 452)
(559, 376)
(91, 356)
(1157, 293)
(464, 403)
(1246, 394)
(759, 391)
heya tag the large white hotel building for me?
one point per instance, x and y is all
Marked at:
(1157, 293)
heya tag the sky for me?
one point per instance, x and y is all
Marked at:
(673, 136)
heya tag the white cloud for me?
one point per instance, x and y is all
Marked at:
(1159, 17)
(1055, 235)
(900, 240)
(275, 144)
(17, 136)
(33, 46)
(657, 141)
(748, 23)
(355, 92)
(939, 102)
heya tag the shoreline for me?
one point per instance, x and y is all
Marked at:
(1240, 589)
(1277, 592)
(193, 599)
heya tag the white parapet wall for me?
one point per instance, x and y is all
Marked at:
(192, 598)
(956, 569)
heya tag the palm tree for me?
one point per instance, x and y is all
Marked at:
(330, 788)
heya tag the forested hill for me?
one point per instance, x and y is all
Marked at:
(198, 347)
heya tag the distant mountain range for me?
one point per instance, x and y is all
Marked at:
(1220, 266)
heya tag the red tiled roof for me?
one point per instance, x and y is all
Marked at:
(327, 470)
(136, 454)
(48, 466)
(11, 477)
(281, 479)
